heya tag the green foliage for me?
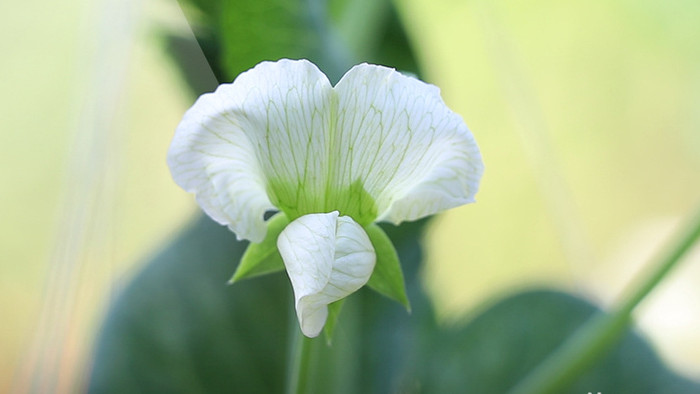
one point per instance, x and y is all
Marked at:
(178, 328)
(387, 278)
(235, 36)
(263, 258)
(253, 30)
(501, 345)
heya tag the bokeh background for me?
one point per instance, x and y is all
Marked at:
(587, 114)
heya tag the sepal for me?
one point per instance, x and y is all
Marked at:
(263, 258)
(387, 278)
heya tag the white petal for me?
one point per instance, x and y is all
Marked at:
(247, 147)
(378, 145)
(327, 257)
(413, 155)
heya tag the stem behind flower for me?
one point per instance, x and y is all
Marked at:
(602, 331)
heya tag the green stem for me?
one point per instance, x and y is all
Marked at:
(602, 331)
(299, 373)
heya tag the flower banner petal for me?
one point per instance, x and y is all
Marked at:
(395, 135)
(256, 144)
(327, 258)
(284, 108)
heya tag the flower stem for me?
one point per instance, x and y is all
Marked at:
(602, 331)
(299, 373)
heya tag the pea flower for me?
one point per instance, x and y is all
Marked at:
(331, 161)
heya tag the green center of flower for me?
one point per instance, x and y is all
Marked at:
(298, 199)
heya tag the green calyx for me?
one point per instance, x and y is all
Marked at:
(387, 278)
(263, 258)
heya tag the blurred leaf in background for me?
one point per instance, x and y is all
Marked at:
(237, 35)
(177, 328)
(496, 349)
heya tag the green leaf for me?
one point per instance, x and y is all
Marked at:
(177, 328)
(263, 258)
(501, 345)
(336, 34)
(254, 30)
(332, 321)
(387, 278)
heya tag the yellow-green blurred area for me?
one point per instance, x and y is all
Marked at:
(587, 114)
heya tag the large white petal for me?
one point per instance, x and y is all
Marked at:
(256, 143)
(395, 134)
(327, 258)
(379, 144)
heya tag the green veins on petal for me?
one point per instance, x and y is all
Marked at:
(294, 200)
(376, 146)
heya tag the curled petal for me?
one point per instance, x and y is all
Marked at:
(327, 258)
(415, 156)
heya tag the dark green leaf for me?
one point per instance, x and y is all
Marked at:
(335, 35)
(255, 30)
(501, 345)
(178, 328)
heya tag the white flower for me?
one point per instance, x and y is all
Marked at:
(379, 146)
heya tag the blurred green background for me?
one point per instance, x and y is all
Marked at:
(587, 114)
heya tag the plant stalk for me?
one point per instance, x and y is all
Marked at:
(602, 331)
(298, 378)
